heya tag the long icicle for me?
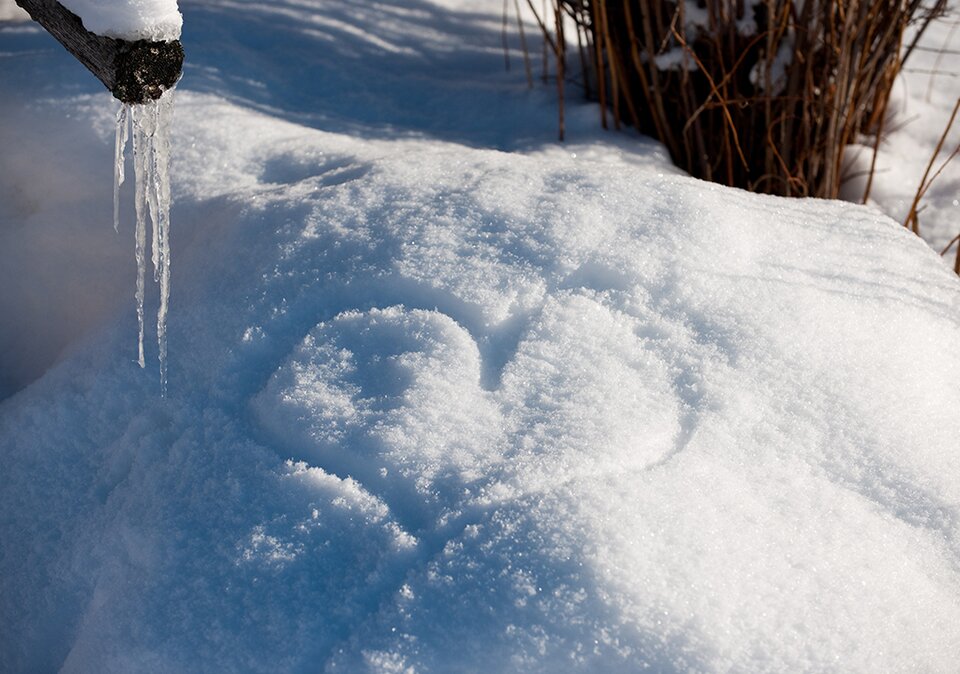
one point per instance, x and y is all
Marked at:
(150, 120)
(120, 147)
(150, 127)
(141, 152)
(161, 157)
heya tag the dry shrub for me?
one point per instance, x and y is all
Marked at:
(759, 94)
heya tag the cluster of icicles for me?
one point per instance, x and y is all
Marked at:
(149, 124)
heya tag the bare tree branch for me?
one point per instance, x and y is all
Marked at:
(134, 71)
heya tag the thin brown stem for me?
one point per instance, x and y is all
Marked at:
(911, 220)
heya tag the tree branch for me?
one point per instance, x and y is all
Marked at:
(134, 71)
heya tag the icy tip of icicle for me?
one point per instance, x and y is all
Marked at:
(149, 125)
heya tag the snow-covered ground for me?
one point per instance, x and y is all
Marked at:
(447, 396)
(919, 112)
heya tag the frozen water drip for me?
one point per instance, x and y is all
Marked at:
(123, 129)
(149, 124)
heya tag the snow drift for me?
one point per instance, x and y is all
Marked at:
(440, 407)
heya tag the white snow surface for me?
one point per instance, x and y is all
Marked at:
(11, 11)
(917, 116)
(155, 20)
(446, 396)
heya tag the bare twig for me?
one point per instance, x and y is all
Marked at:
(134, 72)
(911, 220)
(771, 110)
(949, 245)
(523, 45)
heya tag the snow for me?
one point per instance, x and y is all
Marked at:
(445, 395)
(917, 117)
(675, 58)
(155, 20)
(10, 11)
(778, 68)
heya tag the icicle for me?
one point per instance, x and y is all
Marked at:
(151, 161)
(150, 113)
(123, 127)
(161, 159)
(141, 150)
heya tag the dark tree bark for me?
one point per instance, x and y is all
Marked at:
(134, 71)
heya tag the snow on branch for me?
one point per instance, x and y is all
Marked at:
(135, 71)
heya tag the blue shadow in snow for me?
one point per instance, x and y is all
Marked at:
(370, 69)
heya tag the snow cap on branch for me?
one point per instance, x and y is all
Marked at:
(153, 20)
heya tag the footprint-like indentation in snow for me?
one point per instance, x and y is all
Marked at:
(392, 398)
(599, 277)
(584, 408)
(324, 170)
(281, 542)
(584, 397)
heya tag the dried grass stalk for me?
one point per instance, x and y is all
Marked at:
(759, 94)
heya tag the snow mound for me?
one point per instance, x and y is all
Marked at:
(154, 20)
(446, 409)
(440, 407)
